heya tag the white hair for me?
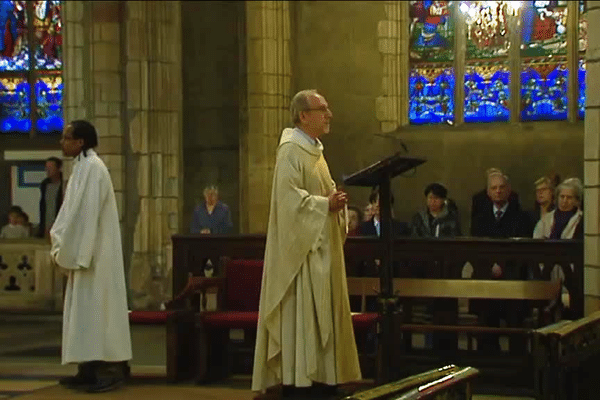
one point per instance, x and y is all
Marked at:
(300, 103)
(500, 174)
(571, 183)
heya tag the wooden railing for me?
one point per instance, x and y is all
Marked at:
(420, 258)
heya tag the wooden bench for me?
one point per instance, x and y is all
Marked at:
(238, 294)
(543, 295)
(450, 382)
(566, 354)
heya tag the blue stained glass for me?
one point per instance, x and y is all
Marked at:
(431, 95)
(543, 93)
(487, 94)
(581, 84)
(14, 105)
(49, 93)
(14, 55)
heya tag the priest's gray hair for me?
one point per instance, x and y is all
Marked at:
(211, 188)
(300, 103)
(571, 183)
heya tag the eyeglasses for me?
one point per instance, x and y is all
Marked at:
(322, 108)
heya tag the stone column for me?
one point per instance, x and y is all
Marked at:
(123, 73)
(592, 163)
(268, 98)
(75, 44)
(152, 63)
(392, 106)
(92, 79)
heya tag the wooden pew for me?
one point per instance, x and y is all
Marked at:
(443, 383)
(440, 259)
(540, 293)
(566, 354)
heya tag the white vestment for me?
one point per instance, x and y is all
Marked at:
(305, 331)
(86, 242)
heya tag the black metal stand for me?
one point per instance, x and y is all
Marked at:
(381, 174)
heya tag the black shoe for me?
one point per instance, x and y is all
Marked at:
(297, 393)
(85, 376)
(105, 385)
(77, 380)
(126, 370)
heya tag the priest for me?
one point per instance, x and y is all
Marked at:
(305, 335)
(86, 246)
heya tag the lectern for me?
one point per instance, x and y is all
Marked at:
(381, 174)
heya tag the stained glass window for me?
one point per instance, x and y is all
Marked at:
(544, 91)
(543, 51)
(431, 78)
(48, 92)
(431, 95)
(15, 105)
(543, 28)
(487, 77)
(487, 93)
(583, 43)
(581, 89)
(488, 64)
(48, 34)
(30, 58)
(14, 54)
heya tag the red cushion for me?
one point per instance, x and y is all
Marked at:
(243, 281)
(363, 321)
(149, 317)
(249, 320)
(231, 319)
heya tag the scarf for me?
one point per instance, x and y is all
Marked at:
(561, 219)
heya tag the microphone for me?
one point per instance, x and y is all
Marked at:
(396, 139)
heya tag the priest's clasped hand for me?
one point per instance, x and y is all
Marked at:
(337, 200)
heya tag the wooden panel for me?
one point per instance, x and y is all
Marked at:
(577, 325)
(477, 289)
(459, 288)
(190, 250)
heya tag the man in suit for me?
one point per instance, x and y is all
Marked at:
(52, 195)
(481, 201)
(372, 227)
(500, 218)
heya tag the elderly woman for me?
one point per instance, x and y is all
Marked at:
(439, 218)
(565, 221)
(544, 199)
(212, 216)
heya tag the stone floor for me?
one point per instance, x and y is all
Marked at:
(30, 365)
